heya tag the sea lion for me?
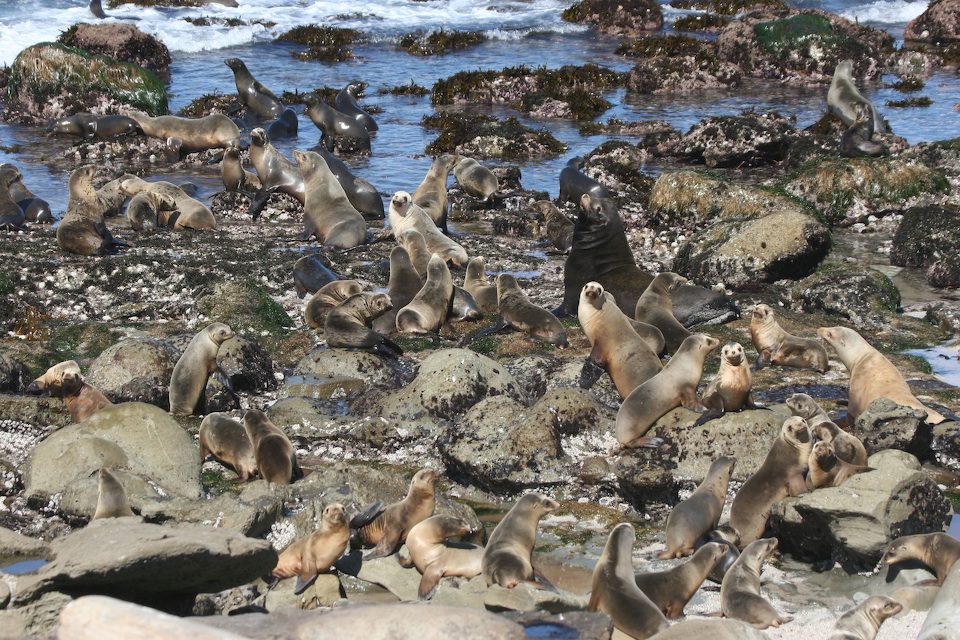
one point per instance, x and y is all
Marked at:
(728, 537)
(253, 95)
(412, 240)
(310, 274)
(12, 217)
(574, 184)
(348, 325)
(428, 310)
(463, 308)
(362, 195)
(112, 197)
(78, 124)
(674, 386)
(96, 8)
(327, 212)
(34, 209)
(943, 620)
(402, 287)
(694, 517)
(863, 621)
(483, 291)
(939, 551)
(63, 380)
(194, 366)
(656, 307)
(404, 214)
(90, 126)
(872, 376)
(431, 194)
(475, 179)
(324, 300)
(82, 229)
(337, 130)
(782, 474)
(615, 346)
(856, 141)
(286, 125)
(672, 589)
(712, 628)
(557, 228)
(226, 440)
(147, 208)
(847, 446)
(776, 346)
(730, 390)
(274, 170)
(436, 558)
(316, 553)
(194, 134)
(189, 212)
(387, 529)
(615, 591)
(346, 102)
(234, 176)
(740, 592)
(826, 469)
(843, 94)
(508, 556)
(801, 404)
(518, 313)
(275, 455)
(111, 497)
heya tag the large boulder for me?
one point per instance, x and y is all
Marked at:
(938, 25)
(366, 368)
(247, 365)
(748, 140)
(865, 296)
(124, 42)
(619, 18)
(888, 425)
(135, 370)
(683, 75)
(928, 237)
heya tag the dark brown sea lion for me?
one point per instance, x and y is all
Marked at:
(348, 324)
(34, 209)
(253, 95)
(507, 558)
(388, 528)
(346, 102)
(12, 217)
(310, 274)
(274, 170)
(338, 130)
(286, 125)
(574, 183)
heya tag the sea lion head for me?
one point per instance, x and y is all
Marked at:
(671, 281)
(311, 100)
(356, 88)
(732, 354)
(9, 174)
(334, 514)
(800, 404)
(476, 269)
(592, 210)
(824, 454)
(879, 608)
(424, 480)
(538, 504)
(834, 336)
(219, 332)
(506, 282)
(379, 304)
(795, 430)
(621, 540)
(762, 314)
(824, 431)
(400, 203)
(593, 292)
(758, 550)
(235, 63)
(259, 137)
(844, 69)
(902, 549)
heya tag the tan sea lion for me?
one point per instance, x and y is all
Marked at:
(275, 455)
(843, 95)
(348, 325)
(676, 385)
(476, 282)
(412, 240)
(316, 553)
(826, 469)
(655, 307)
(190, 213)
(518, 313)
(615, 345)
(327, 212)
(431, 194)
(346, 102)
(557, 228)
(740, 592)
(863, 621)
(234, 176)
(776, 346)
(147, 208)
(111, 497)
(362, 195)
(427, 312)
(435, 557)
(405, 214)
(226, 440)
(194, 366)
(273, 168)
(324, 300)
(801, 404)
(402, 287)
(782, 474)
(63, 380)
(730, 390)
(938, 551)
(337, 130)
(475, 179)
(672, 589)
(253, 95)
(615, 591)
(82, 229)
(390, 527)
(700, 513)
(508, 556)
(847, 446)
(872, 376)
(194, 134)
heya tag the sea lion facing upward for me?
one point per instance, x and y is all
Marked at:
(348, 325)
(676, 385)
(226, 440)
(195, 134)
(273, 169)
(517, 312)
(475, 179)
(234, 176)
(826, 469)
(194, 366)
(856, 141)
(938, 551)
(740, 592)
(843, 94)
(346, 102)
(776, 346)
(389, 528)
(863, 621)
(362, 195)
(672, 589)
(402, 287)
(412, 240)
(253, 95)
(615, 591)
(111, 497)
(338, 130)
(435, 558)
(316, 553)
(730, 390)
(327, 212)
(872, 375)
(694, 517)
(480, 287)
(405, 214)
(276, 457)
(574, 184)
(63, 380)
(656, 307)
(508, 556)
(82, 229)
(431, 195)
(428, 310)
(324, 300)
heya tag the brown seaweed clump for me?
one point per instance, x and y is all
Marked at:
(438, 42)
(484, 136)
(327, 44)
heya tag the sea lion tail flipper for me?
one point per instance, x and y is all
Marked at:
(272, 581)
(395, 350)
(650, 442)
(368, 515)
(430, 582)
(259, 200)
(716, 409)
(540, 581)
(590, 373)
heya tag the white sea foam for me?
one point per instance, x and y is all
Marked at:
(885, 11)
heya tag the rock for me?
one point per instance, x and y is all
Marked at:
(927, 237)
(35, 410)
(864, 296)
(946, 444)
(123, 42)
(683, 75)
(246, 364)
(460, 592)
(854, 523)
(616, 164)
(247, 308)
(622, 18)
(944, 618)
(15, 547)
(44, 77)
(324, 592)
(135, 370)
(526, 598)
(939, 24)
(888, 425)
(35, 619)
(147, 450)
(736, 141)
(388, 573)
(369, 369)
(14, 375)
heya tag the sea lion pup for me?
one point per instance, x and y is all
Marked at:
(234, 176)
(195, 134)
(615, 591)
(826, 469)
(615, 345)
(435, 557)
(190, 212)
(508, 556)
(253, 95)
(938, 551)
(480, 287)
(327, 212)
(316, 553)
(776, 346)
(740, 592)
(63, 380)
(324, 300)
(843, 94)
(412, 240)
(846, 445)
(674, 386)
(655, 307)
(855, 142)
(386, 529)
(428, 310)
(672, 589)
(82, 229)
(557, 228)
(730, 390)
(405, 215)
(34, 209)
(226, 440)
(274, 169)
(362, 195)
(872, 376)
(275, 455)
(518, 313)
(574, 184)
(12, 217)
(147, 208)
(310, 274)
(694, 517)
(111, 497)
(348, 325)
(475, 179)
(194, 366)
(337, 130)
(403, 287)
(863, 621)
(431, 195)
(782, 474)
(346, 102)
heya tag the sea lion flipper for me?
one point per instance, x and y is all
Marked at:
(368, 515)
(430, 581)
(304, 582)
(650, 442)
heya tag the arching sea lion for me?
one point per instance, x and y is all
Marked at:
(507, 558)
(316, 553)
(390, 527)
(843, 94)
(253, 95)
(436, 558)
(698, 514)
(327, 212)
(776, 346)
(346, 102)
(348, 325)
(740, 592)
(404, 215)
(226, 440)
(194, 366)
(276, 457)
(431, 195)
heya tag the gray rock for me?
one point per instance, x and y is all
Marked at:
(14, 546)
(35, 410)
(312, 419)
(246, 364)
(14, 375)
(460, 592)
(888, 425)
(389, 574)
(345, 363)
(324, 592)
(863, 295)
(944, 618)
(135, 370)
(526, 598)
(734, 141)
(35, 619)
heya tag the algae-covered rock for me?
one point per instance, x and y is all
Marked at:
(481, 136)
(438, 42)
(737, 141)
(617, 17)
(863, 295)
(123, 42)
(938, 24)
(246, 308)
(929, 236)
